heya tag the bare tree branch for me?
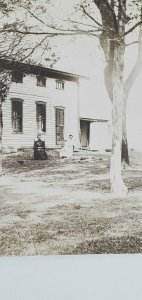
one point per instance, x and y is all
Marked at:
(109, 19)
(89, 16)
(132, 43)
(132, 28)
(137, 68)
(80, 23)
(34, 48)
(67, 32)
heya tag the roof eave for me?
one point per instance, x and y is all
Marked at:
(39, 70)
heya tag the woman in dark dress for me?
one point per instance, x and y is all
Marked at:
(39, 149)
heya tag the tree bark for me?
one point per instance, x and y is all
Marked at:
(124, 150)
(117, 185)
(108, 79)
(124, 145)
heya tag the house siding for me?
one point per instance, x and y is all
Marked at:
(30, 93)
(100, 136)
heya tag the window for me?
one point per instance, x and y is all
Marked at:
(41, 81)
(17, 115)
(41, 116)
(60, 85)
(17, 77)
(59, 126)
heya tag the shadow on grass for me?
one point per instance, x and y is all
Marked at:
(115, 245)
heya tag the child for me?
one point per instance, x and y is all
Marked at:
(67, 150)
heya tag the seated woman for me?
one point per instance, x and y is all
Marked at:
(67, 150)
(39, 149)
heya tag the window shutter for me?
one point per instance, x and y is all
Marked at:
(17, 116)
(59, 126)
(41, 117)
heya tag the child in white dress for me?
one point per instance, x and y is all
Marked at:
(67, 150)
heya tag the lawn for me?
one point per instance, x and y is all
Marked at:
(64, 206)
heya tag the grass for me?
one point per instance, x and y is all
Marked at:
(65, 206)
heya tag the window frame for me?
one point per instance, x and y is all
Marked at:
(16, 73)
(61, 126)
(19, 101)
(37, 121)
(60, 85)
(42, 79)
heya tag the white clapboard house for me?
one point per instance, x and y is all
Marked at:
(47, 100)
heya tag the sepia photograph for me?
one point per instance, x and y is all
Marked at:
(70, 127)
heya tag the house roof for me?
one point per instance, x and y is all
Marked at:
(39, 70)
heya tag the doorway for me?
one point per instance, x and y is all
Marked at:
(85, 132)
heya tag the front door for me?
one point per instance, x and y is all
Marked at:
(84, 128)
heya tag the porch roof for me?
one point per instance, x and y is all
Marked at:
(93, 120)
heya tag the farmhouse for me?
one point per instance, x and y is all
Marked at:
(47, 100)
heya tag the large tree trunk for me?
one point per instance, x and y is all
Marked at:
(124, 146)
(117, 185)
(108, 79)
(1, 127)
(107, 42)
(127, 87)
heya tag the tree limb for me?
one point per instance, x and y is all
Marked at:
(108, 16)
(133, 27)
(137, 68)
(67, 32)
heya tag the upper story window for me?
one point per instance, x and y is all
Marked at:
(17, 115)
(41, 81)
(60, 85)
(17, 77)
